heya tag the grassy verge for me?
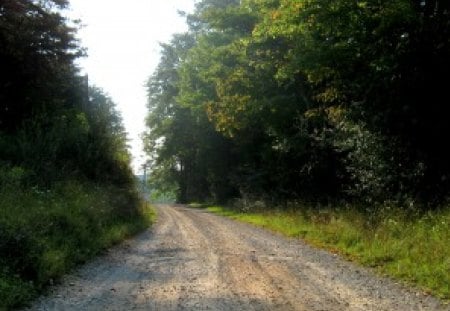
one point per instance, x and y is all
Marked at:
(414, 249)
(44, 234)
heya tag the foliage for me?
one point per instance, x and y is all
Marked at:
(44, 233)
(188, 154)
(51, 124)
(311, 99)
(381, 61)
(37, 50)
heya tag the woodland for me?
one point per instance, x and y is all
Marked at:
(304, 100)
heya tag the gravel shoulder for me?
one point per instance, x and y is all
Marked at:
(193, 260)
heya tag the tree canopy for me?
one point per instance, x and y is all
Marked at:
(51, 123)
(310, 99)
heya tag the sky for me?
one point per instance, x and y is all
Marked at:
(122, 40)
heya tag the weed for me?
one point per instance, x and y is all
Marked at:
(45, 233)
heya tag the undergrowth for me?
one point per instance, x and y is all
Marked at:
(45, 233)
(414, 248)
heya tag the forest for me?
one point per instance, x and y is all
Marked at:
(66, 187)
(304, 100)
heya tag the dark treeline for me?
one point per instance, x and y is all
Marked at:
(66, 187)
(52, 125)
(304, 100)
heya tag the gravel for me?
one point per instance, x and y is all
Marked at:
(193, 260)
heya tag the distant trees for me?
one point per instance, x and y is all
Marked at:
(306, 99)
(190, 156)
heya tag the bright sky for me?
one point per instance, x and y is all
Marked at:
(122, 38)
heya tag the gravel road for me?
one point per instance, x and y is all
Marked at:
(193, 260)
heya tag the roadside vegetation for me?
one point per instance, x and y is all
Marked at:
(46, 233)
(320, 101)
(67, 191)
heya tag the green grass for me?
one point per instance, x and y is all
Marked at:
(44, 234)
(413, 249)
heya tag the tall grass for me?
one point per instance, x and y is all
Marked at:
(412, 248)
(45, 233)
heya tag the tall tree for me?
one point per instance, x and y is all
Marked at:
(50, 122)
(386, 63)
(318, 98)
(181, 141)
(37, 50)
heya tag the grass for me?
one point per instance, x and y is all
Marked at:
(45, 234)
(413, 249)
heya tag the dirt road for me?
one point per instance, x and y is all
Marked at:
(192, 260)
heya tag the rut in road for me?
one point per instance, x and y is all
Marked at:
(192, 260)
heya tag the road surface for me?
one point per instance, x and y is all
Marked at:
(193, 260)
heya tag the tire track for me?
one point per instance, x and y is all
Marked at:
(193, 260)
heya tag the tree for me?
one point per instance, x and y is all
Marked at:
(318, 99)
(50, 122)
(385, 63)
(37, 50)
(181, 141)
